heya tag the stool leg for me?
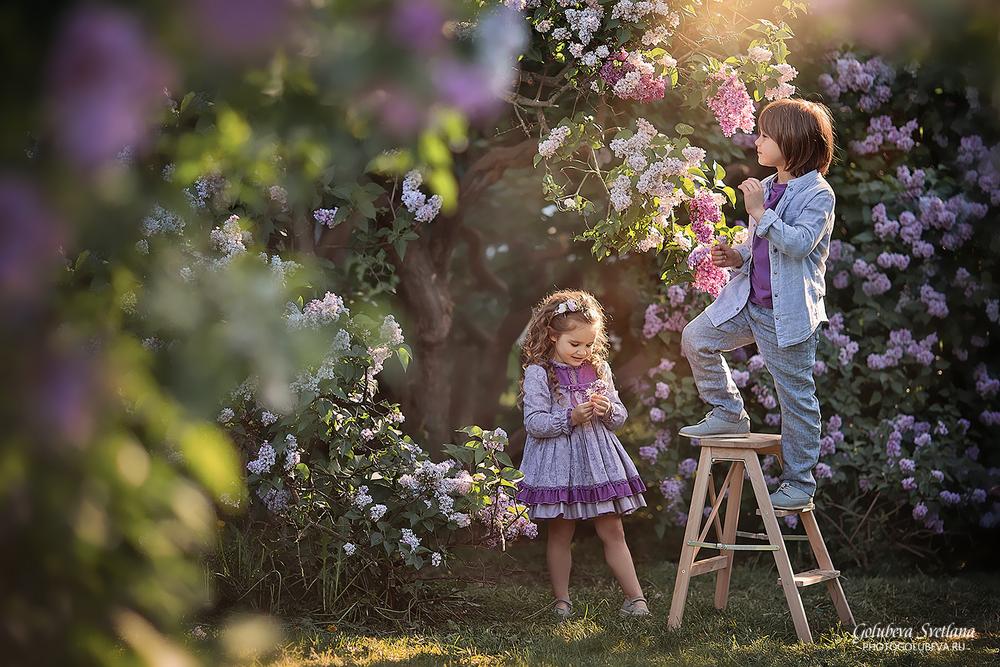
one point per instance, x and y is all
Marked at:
(823, 560)
(784, 566)
(729, 534)
(690, 533)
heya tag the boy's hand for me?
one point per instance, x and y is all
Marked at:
(582, 413)
(753, 197)
(725, 257)
(601, 403)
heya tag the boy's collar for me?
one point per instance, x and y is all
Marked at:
(794, 183)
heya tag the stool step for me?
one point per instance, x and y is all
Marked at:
(732, 547)
(810, 577)
(706, 565)
(780, 513)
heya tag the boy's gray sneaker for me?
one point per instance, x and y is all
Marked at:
(713, 425)
(787, 497)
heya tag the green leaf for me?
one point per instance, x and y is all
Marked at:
(683, 129)
(404, 353)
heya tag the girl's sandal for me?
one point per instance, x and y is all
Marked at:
(562, 608)
(632, 607)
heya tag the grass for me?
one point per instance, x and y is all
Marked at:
(505, 619)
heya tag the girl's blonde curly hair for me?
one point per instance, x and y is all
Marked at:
(546, 322)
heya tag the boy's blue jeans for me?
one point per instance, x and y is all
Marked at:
(791, 367)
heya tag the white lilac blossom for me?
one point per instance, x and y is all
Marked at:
(280, 268)
(276, 500)
(760, 54)
(226, 415)
(229, 239)
(495, 440)
(621, 197)
(390, 332)
(554, 141)
(267, 418)
(409, 539)
(376, 512)
(264, 461)
(436, 559)
(416, 202)
(162, 221)
(317, 312)
(361, 498)
(349, 548)
(292, 455)
(279, 196)
(204, 189)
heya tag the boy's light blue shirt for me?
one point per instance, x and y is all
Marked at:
(798, 231)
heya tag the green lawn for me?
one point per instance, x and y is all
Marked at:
(505, 620)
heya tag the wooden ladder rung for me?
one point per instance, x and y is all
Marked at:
(780, 513)
(764, 537)
(810, 577)
(707, 565)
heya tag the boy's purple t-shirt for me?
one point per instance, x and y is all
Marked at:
(760, 268)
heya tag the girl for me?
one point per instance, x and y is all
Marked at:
(775, 299)
(574, 467)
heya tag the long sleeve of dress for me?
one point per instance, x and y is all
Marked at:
(617, 414)
(543, 417)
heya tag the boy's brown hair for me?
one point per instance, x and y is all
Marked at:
(803, 131)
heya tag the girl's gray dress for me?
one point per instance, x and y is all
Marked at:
(574, 472)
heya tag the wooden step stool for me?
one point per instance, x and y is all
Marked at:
(742, 452)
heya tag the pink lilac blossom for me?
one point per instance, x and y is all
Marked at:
(913, 181)
(707, 276)
(665, 366)
(631, 77)
(893, 446)
(731, 103)
(784, 89)
(872, 79)
(706, 210)
(935, 301)
(881, 131)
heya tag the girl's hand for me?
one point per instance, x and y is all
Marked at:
(725, 257)
(582, 413)
(601, 403)
(753, 197)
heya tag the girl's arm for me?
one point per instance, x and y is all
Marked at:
(542, 418)
(617, 414)
(797, 239)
